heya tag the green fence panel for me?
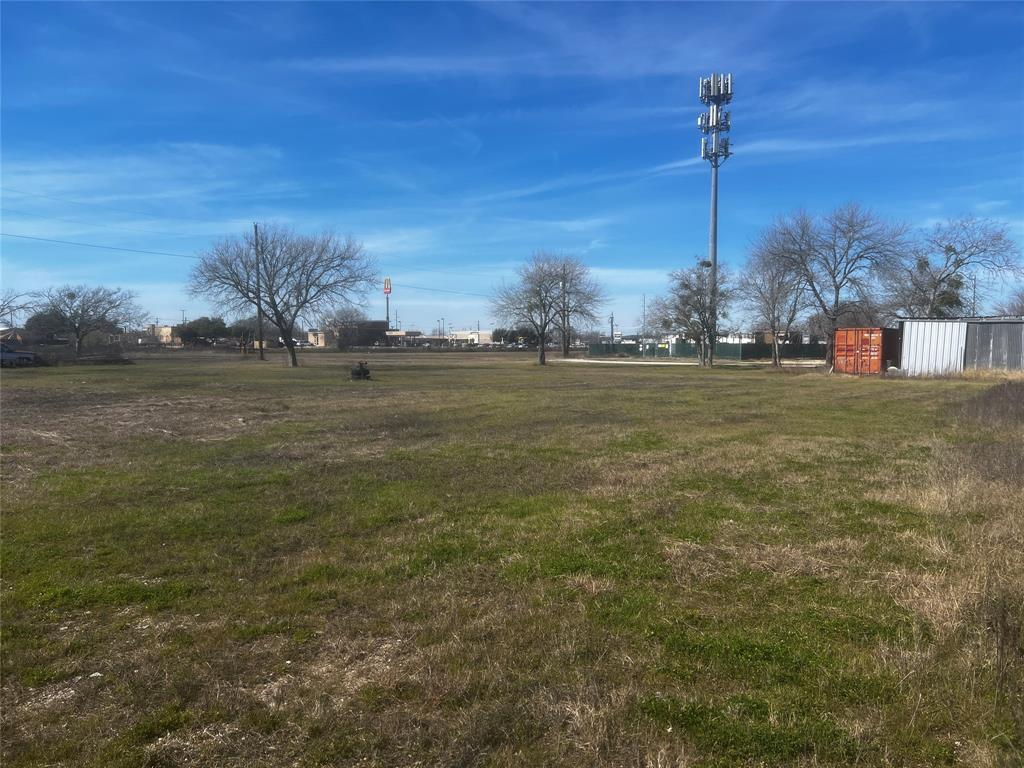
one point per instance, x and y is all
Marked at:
(761, 351)
(723, 351)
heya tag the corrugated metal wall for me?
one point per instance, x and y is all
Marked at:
(995, 345)
(933, 348)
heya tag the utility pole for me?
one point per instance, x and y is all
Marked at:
(611, 321)
(259, 292)
(715, 91)
(974, 294)
(387, 302)
(643, 329)
(183, 317)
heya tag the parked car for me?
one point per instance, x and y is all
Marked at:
(10, 356)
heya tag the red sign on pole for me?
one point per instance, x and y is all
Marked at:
(387, 285)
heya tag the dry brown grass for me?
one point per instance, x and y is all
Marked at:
(971, 593)
(717, 560)
(485, 563)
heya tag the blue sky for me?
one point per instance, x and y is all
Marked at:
(455, 139)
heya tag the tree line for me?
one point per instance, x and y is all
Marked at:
(853, 267)
(805, 272)
(270, 279)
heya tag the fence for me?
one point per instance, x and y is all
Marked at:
(750, 351)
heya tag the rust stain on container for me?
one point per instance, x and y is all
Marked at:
(865, 350)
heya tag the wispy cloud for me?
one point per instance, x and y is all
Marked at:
(573, 41)
(989, 206)
(189, 174)
(400, 241)
(584, 224)
(632, 278)
(573, 181)
(419, 65)
(797, 144)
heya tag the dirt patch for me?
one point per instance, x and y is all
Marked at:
(83, 423)
(82, 434)
(51, 697)
(339, 671)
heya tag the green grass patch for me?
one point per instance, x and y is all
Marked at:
(475, 561)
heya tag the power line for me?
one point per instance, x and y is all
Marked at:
(5, 209)
(94, 245)
(185, 256)
(439, 290)
(98, 205)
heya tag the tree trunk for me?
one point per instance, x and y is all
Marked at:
(566, 340)
(78, 345)
(293, 361)
(541, 357)
(775, 351)
(830, 343)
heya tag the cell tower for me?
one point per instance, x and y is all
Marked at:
(715, 92)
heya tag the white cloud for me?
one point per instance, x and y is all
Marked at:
(399, 241)
(988, 206)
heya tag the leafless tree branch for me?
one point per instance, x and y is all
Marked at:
(535, 300)
(300, 276)
(83, 309)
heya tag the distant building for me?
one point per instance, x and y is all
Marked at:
(164, 334)
(363, 333)
(12, 335)
(471, 338)
(404, 338)
(322, 338)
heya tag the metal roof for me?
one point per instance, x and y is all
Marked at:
(988, 319)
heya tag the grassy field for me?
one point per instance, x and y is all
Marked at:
(471, 560)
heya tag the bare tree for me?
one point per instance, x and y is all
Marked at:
(338, 317)
(839, 257)
(687, 307)
(299, 276)
(81, 310)
(773, 290)
(580, 297)
(1013, 306)
(13, 304)
(535, 300)
(931, 280)
(917, 289)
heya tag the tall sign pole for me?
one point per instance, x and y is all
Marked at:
(715, 92)
(259, 294)
(387, 301)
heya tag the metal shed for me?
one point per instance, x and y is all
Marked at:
(933, 347)
(995, 345)
(936, 347)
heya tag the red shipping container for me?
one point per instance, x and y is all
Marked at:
(865, 350)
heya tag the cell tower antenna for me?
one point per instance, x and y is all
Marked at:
(715, 92)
